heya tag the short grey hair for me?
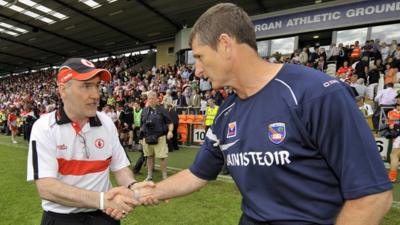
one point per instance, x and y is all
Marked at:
(224, 18)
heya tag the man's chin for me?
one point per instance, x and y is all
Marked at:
(215, 86)
(91, 113)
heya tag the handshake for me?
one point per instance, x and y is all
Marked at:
(119, 201)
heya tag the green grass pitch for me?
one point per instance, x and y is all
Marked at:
(216, 204)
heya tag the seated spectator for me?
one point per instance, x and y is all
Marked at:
(373, 80)
(393, 121)
(321, 64)
(379, 66)
(362, 68)
(345, 71)
(295, 59)
(396, 53)
(365, 108)
(384, 51)
(358, 85)
(391, 75)
(386, 96)
(303, 57)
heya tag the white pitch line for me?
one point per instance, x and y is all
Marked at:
(13, 145)
(190, 146)
(396, 204)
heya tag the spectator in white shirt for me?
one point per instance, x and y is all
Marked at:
(386, 96)
(358, 85)
(205, 85)
(333, 53)
(304, 56)
(384, 51)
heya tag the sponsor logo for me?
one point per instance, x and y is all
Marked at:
(231, 130)
(276, 158)
(67, 77)
(62, 147)
(87, 63)
(276, 132)
(331, 82)
(99, 143)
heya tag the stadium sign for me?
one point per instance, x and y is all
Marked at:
(345, 15)
(383, 145)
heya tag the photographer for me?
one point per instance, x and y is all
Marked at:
(394, 125)
(157, 127)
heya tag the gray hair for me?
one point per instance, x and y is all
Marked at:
(224, 18)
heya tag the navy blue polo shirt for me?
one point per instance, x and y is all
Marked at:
(297, 149)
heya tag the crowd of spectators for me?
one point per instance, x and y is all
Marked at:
(371, 69)
(33, 94)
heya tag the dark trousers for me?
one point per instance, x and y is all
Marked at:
(136, 135)
(86, 218)
(139, 163)
(173, 142)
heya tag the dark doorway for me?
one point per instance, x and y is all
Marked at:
(320, 38)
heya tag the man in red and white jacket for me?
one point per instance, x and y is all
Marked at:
(72, 151)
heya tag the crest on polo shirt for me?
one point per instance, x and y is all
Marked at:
(99, 143)
(232, 128)
(276, 132)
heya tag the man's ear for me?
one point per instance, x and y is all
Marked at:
(62, 88)
(225, 44)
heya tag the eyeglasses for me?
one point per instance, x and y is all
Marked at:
(85, 148)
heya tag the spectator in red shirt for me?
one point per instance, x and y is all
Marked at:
(12, 123)
(344, 72)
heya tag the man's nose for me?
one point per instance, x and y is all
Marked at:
(199, 72)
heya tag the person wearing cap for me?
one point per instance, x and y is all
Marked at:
(72, 150)
(292, 137)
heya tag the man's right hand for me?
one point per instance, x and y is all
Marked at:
(120, 199)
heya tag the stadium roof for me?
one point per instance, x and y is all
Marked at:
(41, 33)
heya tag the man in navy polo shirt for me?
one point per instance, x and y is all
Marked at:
(293, 138)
